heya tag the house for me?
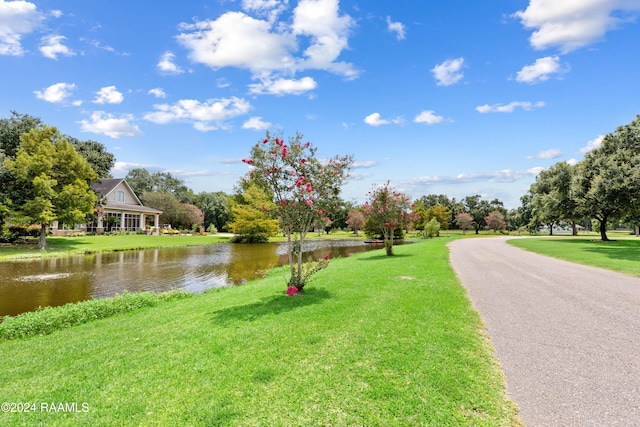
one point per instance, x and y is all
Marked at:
(118, 209)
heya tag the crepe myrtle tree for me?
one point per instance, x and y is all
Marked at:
(303, 186)
(388, 209)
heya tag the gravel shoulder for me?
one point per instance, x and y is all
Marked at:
(567, 335)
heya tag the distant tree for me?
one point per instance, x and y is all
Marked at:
(387, 210)
(96, 154)
(190, 216)
(54, 178)
(11, 130)
(495, 221)
(215, 207)
(464, 221)
(142, 181)
(168, 203)
(440, 213)
(606, 184)
(253, 219)
(551, 199)
(355, 220)
(478, 209)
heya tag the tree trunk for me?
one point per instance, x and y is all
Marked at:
(574, 229)
(603, 230)
(637, 228)
(42, 243)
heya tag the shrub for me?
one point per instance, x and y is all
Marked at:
(47, 320)
(212, 229)
(432, 228)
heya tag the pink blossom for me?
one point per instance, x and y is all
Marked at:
(303, 161)
(309, 202)
(283, 203)
(291, 290)
(247, 161)
(264, 141)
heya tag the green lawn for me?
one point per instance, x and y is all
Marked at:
(89, 244)
(374, 341)
(621, 254)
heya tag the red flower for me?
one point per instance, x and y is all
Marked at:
(247, 161)
(291, 290)
(326, 257)
(303, 160)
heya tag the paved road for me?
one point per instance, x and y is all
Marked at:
(567, 336)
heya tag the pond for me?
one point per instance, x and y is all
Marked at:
(27, 285)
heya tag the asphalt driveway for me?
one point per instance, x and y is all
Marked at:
(567, 335)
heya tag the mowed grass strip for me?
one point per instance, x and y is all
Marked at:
(621, 254)
(57, 246)
(374, 340)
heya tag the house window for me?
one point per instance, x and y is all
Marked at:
(120, 196)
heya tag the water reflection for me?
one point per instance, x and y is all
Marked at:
(27, 285)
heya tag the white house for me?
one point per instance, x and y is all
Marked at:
(118, 209)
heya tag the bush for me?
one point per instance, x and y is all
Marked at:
(431, 229)
(212, 229)
(47, 320)
(22, 230)
(250, 238)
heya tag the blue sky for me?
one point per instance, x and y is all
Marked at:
(450, 97)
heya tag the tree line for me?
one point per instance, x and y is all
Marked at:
(603, 188)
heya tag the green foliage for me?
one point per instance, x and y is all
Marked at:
(142, 181)
(212, 229)
(216, 209)
(180, 215)
(606, 184)
(54, 179)
(431, 228)
(96, 154)
(253, 221)
(47, 320)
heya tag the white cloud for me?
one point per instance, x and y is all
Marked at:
(17, 18)
(375, 120)
(108, 95)
(364, 165)
(157, 92)
(56, 13)
(501, 176)
(329, 33)
(509, 108)
(448, 73)
(205, 116)
(121, 169)
(269, 48)
(56, 93)
(571, 24)
(547, 154)
(256, 123)
(541, 70)
(166, 64)
(51, 46)
(281, 87)
(592, 145)
(269, 8)
(572, 162)
(396, 27)
(428, 117)
(107, 124)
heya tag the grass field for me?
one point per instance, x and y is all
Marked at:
(374, 340)
(89, 244)
(621, 254)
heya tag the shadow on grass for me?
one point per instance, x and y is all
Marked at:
(383, 256)
(628, 250)
(272, 305)
(619, 249)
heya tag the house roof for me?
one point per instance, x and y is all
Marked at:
(106, 186)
